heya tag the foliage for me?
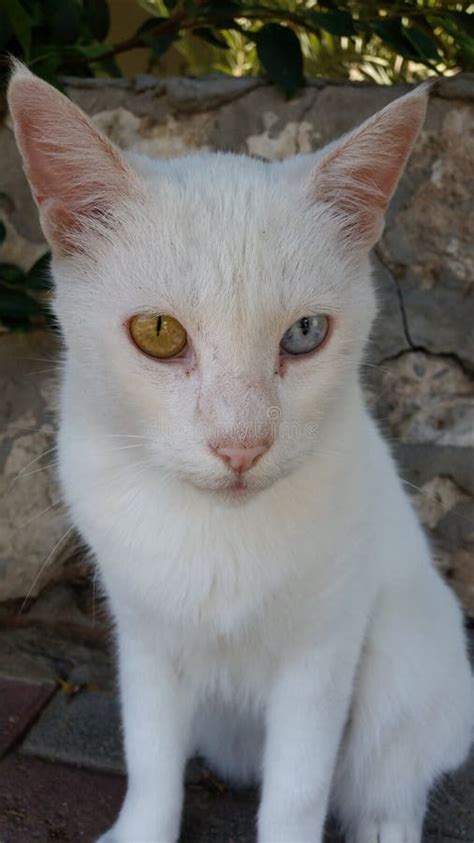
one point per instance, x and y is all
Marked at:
(283, 39)
(24, 295)
(347, 39)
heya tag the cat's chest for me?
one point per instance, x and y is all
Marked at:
(198, 560)
(237, 667)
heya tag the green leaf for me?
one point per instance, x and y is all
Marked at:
(47, 66)
(157, 42)
(226, 8)
(65, 22)
(20, 22)
(110, 66)
(191, 8)
(3, 233)
(39, 276)
(425, 46)
(465, 20)
(5, 29)
(338, 23)
(97, 18)
(279, 52)
(11, 273)
(210, 37)
(15, 304)
(92, 51)
(392, 33)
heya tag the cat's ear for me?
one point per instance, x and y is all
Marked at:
(358, 176)
(75, 173)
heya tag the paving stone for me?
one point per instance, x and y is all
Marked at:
(85, 730)
(20, 704)
(40, 652)
(82, 729)
(41, 802)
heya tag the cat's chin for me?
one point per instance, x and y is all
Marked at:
(234, 492)
(237, 492)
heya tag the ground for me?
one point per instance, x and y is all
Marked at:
(61, 768)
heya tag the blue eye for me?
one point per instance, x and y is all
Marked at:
(305, 335)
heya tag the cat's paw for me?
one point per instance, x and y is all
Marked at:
(386, 832)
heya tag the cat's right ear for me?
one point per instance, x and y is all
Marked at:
(357, 175)
(76, 175)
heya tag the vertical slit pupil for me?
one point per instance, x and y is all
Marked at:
(158, 326)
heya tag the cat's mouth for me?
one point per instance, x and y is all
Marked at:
(234, 489)
(238, 490)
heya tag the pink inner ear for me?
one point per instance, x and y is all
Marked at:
(76, 175)
(359, 176)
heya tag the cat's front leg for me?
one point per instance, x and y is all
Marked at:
(305, 719)
(157, 714)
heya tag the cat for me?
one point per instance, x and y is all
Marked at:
(275, 603)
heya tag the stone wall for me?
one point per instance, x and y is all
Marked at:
(421, 358)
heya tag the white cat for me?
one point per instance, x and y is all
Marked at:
(276, 606)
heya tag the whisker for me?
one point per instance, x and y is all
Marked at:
(43, 566)
(39, 514)
(51, 359)
(126, 447)
(42, 371)
(35, 471)
(430, 496)
(32, 462)
(123, 435)
(23, 429)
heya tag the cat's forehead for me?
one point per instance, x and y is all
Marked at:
(233, 193)
(229, 231)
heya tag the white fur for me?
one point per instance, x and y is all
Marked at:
(298, 634)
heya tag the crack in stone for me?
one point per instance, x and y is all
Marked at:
(403, 311)
(447, 355)
(443, 355)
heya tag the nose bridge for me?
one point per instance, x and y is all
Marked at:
(238, 406)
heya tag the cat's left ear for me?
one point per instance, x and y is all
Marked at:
(358, 176)
(76, 175)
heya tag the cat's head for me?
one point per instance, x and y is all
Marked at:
(216, 305)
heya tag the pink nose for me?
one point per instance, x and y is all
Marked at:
(240, 458)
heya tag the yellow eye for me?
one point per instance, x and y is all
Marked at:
(158, 335)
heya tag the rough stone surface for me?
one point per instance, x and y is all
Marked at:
(419, 369)
(42, 802)
(32, 520)
(20, 704)
(80, 728)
